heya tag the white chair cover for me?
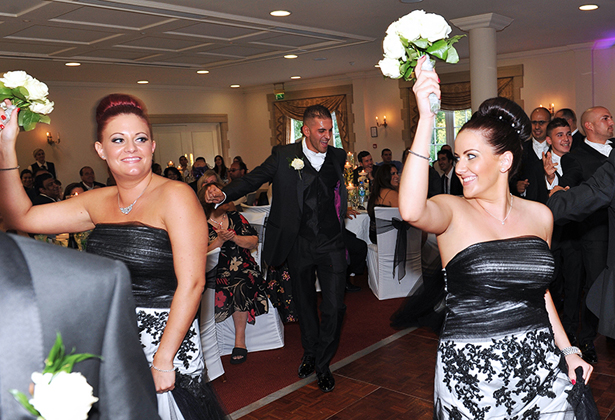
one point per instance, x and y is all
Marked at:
(380, 258)
(267, 333)
(257, 221)
(209, 341)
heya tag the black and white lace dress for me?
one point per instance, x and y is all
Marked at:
(497, 358)
(147, 253)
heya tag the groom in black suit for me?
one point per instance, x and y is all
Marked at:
(305, 228)
(47, 289)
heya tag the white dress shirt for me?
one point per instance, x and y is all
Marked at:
(316, 159)
(540, 148)
(604, 149)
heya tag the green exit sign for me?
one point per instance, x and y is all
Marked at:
(279, 96)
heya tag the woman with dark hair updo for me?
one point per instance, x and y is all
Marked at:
(384, 193)
(503, 352)
(152, 224)
(220, 168)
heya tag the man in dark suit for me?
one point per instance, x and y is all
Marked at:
(48, 189)
(533, 151)
(450, 181)
(569, 115)
(305, 227)
(88, 179)
(48, 289)
(39, 155)
(366, 163)
(597, 123)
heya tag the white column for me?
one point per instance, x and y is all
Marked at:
(483, 53)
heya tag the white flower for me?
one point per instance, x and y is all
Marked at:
(36, 89)
(393, 48)
(297, 164)
(393, 28)
(67, 396)
(42, 108)
(390, 67)
(13, 79)
(410, 25)
(434, 27)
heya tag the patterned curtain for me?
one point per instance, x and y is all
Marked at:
(456, 96)
(283, 111)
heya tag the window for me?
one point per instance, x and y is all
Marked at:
(447, 125)
(295, 132)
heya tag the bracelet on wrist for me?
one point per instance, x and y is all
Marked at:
(421, 156)
(9, 169)
(571, 350)
(162, 370)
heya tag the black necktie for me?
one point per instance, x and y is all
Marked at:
(445, 184)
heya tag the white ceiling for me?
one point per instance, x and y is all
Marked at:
(122, 41)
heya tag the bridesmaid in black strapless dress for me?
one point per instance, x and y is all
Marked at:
(503, 352)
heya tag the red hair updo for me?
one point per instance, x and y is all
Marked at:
(118, 104)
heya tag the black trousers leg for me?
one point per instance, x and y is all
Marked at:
(594, 260)
(320, 338)
(572, 274)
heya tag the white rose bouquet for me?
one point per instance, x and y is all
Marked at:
(59, 394)
(413, 36)
(28, 94)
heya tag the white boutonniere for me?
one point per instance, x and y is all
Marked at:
(58, 394)
(297, 164)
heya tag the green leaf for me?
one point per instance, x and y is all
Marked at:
(439, 49)
(23, 400)
(421, 43)
(21, 93)
(453, 57)
(45, 119)
(6, 91)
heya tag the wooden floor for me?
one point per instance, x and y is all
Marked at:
(395, 381)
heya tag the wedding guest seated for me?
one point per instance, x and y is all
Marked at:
(366, 163)
(209, 176)
(157, 169)
(240, 287)
(198, 169)
(384, 194)
(173, 173)
(387, 157)
(27, 180)
(185, 169)
(48, 188)
(73, 190)
(220, 169)
(88, 179)
(39, 155)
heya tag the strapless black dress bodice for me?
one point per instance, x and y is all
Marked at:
(147, 253)
(495, 288)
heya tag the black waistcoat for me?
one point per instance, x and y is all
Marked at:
(319, 219)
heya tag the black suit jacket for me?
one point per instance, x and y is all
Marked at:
(595, 226)
(526, 168)
(88, 299)
(576, 204)
(96, 185)
(41, 199)
(577, 140)
(456, 187)
(287, 207)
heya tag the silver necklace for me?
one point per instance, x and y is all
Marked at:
(219, 224)
(128, 209)
(507, 214)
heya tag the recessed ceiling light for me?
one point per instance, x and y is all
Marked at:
(290, 56)
(320, 59)
(295, 77)
(74, 64)
(202, 71)
(235, 86)
(279, 13)
(143, 82)
(587, 7)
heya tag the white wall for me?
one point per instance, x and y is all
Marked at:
(576, 77)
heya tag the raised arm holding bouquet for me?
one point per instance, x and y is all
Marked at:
(413, 36)
(28, 94)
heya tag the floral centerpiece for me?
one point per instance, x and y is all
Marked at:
(28, 94)
(59, 394)
(413, 36)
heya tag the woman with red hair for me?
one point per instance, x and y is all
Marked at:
(155, 226)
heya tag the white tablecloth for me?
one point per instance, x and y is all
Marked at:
(359, 225)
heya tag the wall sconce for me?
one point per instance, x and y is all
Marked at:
(50, 139)
(384, 123)
(550, 108)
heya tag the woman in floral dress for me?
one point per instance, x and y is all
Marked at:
(240, 286)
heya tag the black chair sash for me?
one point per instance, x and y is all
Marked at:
(401, 244)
